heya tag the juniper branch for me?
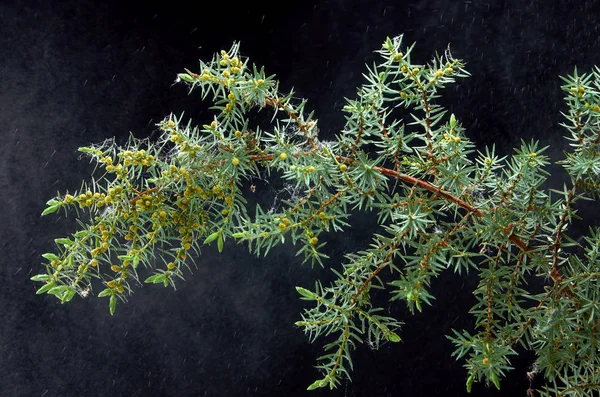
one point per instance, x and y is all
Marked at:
(159, 203)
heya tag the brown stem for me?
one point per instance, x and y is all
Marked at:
(422, 184)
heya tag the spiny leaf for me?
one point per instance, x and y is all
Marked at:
(113, 304)
(51, 209)
(220, 242)
(211, 237)
(317, 384)
(45, 288)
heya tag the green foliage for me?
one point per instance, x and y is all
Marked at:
(440, 203)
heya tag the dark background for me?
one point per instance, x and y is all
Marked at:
(78, 72)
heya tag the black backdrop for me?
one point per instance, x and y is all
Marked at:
(78, 72)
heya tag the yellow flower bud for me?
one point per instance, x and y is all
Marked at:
(283, 156)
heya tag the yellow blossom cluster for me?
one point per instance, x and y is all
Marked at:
(234, 65)
(177, 137)
(449, 137)
(283, 224)
(90, 198)
(103, 243)
(110, 166)
(139, 157)
(147, 202)
(86, 199)
(578, 91)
